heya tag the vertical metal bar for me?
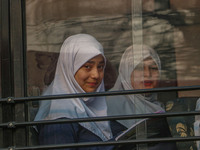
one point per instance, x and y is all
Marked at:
(16, 44)
(137, 38)
(6, 71)
(1, 130)
(137, 29)
(137, 32)
(7, 89)
(23, 11)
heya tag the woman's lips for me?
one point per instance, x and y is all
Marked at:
(148, 83)
(92, 84)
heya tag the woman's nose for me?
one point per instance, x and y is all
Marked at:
(95, 73)
(147, 72)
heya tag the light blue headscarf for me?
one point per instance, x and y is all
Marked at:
(138, 103)
(75, 51)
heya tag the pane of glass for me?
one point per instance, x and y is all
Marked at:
(167, 31)
(109, 24)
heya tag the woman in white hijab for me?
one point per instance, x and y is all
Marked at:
(140, 68)
(80, 69)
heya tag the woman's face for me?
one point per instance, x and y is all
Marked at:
(90, 74)
(145, 75)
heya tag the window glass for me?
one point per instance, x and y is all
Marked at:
(164, 36)
(165, 26)
(50, 23)
(116, 26)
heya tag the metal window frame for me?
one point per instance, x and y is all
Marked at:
(12, 67)
(14, 125)
(13, 58)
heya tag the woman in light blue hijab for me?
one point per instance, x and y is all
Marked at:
(140, 68)
(80, 69)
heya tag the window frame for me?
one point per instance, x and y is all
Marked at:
(13, 59)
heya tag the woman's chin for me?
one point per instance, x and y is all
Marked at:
(148, 87)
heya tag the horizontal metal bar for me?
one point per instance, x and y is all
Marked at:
(92, 119)
(108, 93)
(107, 143)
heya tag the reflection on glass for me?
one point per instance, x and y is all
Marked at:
(170, 27)
(116, 25)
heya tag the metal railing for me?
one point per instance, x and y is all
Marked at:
(13, 125)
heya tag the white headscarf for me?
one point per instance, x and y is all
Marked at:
(138, 103)
(75, 51)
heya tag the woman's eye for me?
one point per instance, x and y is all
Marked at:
(101, 66)
(87, 66)
(139, 68)
(154, 68)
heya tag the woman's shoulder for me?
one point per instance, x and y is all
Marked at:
(116, 100)
(119, 105)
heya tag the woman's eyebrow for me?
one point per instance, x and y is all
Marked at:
(153, 64)
(102, 62)
(93, 62)
(89, 61)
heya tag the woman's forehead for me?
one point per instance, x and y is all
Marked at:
(150, 60)
(99, 58)
(147, 61)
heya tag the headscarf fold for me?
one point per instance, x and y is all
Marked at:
(75, 51)
(138, 103)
